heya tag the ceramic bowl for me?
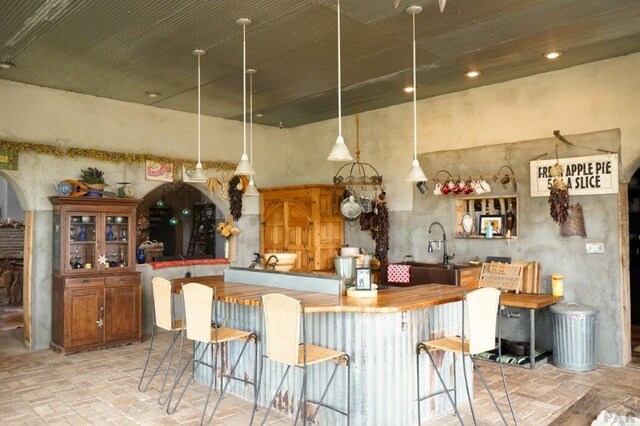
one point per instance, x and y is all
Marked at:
(286, 261)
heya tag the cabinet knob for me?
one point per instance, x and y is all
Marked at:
(85, 281)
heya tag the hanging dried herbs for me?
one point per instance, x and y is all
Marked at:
(377, 223)
(235, 198)
(558, 196)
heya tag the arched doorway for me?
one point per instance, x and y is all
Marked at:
(14, 306)
(182, 220)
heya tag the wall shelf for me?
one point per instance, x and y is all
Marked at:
(485, 205)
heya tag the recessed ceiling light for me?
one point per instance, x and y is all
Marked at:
(7, 65)
(552, 55)
(407, 89)
(473, 74)
(153, 94)
(259, 115)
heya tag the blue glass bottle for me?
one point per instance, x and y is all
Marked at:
(82, 235)
(110, 236)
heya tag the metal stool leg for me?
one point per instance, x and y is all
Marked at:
(255, 404)
(455, 380)
(286, 372)
(326, 389)
(166, 374)
(191, 361)
(484, 383)
(212, 380)
(466, 385)
(444, 386)
(349, 393)
(231, 374)
(303, 403)
(146, 363)
(504, 383)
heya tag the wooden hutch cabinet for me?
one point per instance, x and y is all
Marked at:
(304, 219)
(96, 294)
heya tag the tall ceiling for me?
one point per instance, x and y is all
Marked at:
(122, 49)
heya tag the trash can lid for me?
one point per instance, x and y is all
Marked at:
(573, 308)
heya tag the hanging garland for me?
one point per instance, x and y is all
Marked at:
(110, 156)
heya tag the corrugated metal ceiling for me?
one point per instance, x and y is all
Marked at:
(121, 49)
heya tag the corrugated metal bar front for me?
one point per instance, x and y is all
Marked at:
(383, 364)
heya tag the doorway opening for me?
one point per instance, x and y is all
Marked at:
(634, 265)
(178, 221)
(12, 235)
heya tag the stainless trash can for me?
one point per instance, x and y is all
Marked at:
(574, 336)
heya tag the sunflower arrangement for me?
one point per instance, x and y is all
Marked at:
(227, 230)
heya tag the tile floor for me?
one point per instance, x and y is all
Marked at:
(100, 387)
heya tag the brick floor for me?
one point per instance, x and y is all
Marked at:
(100, 387)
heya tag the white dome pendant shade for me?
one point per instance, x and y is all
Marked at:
(340, 151)
(199, 176)
(251, 188)
(244, 167)
(415, 173)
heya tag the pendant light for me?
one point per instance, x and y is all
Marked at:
(415, 173)
(251, 188)
(244, 166)
(340, 151)
(198, 174)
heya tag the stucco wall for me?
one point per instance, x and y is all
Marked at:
(587, 98)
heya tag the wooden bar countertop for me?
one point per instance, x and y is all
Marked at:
(394, 299)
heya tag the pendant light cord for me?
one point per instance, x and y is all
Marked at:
(339, 78)
(251, 119)
(415, 111)
(244, 89)
(199, 162)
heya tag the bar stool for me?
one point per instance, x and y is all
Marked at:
(163, 318)
(200, 308)
(282, 326)
(483, 308)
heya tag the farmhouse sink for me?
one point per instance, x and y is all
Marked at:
(436, 273)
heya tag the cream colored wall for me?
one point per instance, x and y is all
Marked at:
(587, 98)
(36, 114)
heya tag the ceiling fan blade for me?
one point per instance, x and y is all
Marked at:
(442, 3)
(396, 3)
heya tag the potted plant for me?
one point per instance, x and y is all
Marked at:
(94, 179)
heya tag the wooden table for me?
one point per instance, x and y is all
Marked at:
(531, 302)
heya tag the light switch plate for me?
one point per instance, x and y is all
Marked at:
(595, 247)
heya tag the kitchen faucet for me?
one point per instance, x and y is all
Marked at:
(257, 262)
(445, 257)
(269, 265)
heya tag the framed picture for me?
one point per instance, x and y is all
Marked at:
(162, 172)
(363, 279)
(496, 222)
